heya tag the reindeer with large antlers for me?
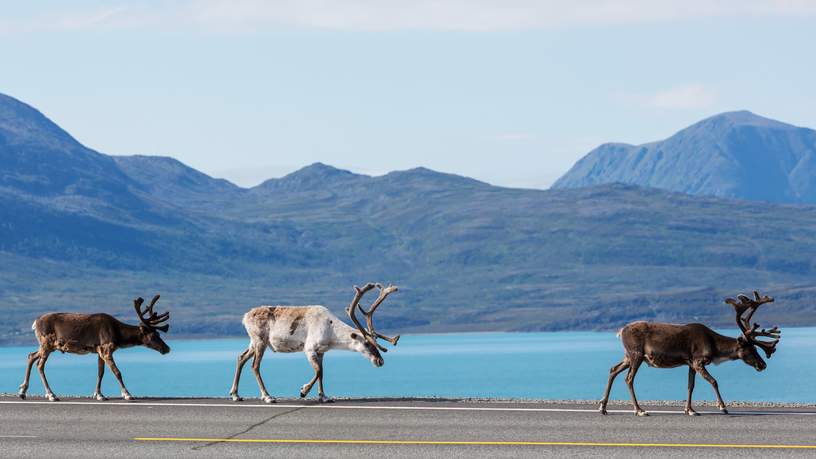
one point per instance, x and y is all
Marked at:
(313, 330)
(98, 333)
(664, 345)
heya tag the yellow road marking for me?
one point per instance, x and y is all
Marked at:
(471, 443)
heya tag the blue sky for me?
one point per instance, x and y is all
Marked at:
(511, 92)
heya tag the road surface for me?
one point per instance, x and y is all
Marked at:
(391, 428)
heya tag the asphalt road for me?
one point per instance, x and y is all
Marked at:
(391, 428)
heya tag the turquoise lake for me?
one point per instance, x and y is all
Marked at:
(566, 365)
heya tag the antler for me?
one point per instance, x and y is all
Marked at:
(370, 333)
(150, 318)
(369, 315)
(752, 332)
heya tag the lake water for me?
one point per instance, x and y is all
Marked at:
(568, 365)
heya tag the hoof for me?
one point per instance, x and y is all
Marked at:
(128, 397)
(602, 410)
(303, 394)
(691, 412)
(324, 399)
(268, 399)
(641, 413)
(22, 395)
(236, 398)
(99, 397)
(724, 411)
(52, 398)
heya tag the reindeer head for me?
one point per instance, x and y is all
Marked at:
(366, 341)
(149, 328)
(748, 341)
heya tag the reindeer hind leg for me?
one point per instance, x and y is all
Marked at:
(258, 351)
(49, 394)
(613, 373)
(630, 381)
(239, 367)
(32, 358)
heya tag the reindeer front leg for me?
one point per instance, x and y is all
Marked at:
(689, 410)
(316, 359)
(99, 374)
(707, 376)
(107, 356)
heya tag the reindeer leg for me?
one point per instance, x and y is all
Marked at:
(613, 373)
(630, 381)
(108, 357)
(32, 357)
(239, 367)
(316, 359)
(256, 368)
(41, 369)
(707, 376)
(321, 393)
(99, 374)
(689, 410)
(318, 368)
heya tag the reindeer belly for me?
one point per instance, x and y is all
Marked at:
(73, 347)
(284, 345)
(658, 360)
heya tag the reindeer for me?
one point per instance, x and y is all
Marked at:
(313, 330)
(99, 333)
(664, 345)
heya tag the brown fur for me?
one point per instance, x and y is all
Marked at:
(83, 334)
(663, 345)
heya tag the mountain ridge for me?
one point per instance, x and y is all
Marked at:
(468, 256)
(731, 155)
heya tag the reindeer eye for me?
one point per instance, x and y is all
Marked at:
(354, 336)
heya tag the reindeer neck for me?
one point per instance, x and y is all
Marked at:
(341, 332)
(129, 336)
(726, 346)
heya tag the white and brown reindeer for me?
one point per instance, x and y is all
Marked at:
(101, 334)
(314, 330)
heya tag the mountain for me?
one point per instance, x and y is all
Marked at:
(170, 180)
(467, 256)
(732, 155)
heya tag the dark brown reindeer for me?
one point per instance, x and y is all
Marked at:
(98, 333)
(664, 345)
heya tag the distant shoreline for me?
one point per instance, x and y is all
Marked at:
(31, 342)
